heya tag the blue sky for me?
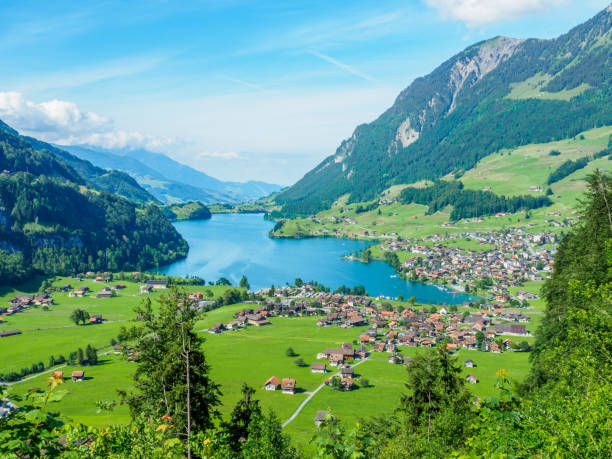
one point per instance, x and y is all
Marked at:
(241, 90)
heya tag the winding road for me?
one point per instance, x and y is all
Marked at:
(312, 394)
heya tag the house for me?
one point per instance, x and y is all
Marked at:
(95, 319)
(469, 363)
(257, 320)
(471, 379)
(272, 383)
(77, 376)
(320, 417)
(157, 284)
(145, 289)
(346, 372)
(318, 368)
(106, 292)
(58, 374)
(216, 328)
(288, 386)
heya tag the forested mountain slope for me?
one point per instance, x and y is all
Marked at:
(500, 93)
(83, 171)
(52, 222)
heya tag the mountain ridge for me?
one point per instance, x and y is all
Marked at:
(447, 120)
(180, 182)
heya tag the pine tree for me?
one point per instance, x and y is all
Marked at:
(172, 376)
(237, 428)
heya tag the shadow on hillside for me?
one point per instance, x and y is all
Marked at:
(29, 286)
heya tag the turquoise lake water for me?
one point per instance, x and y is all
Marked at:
(230, 245)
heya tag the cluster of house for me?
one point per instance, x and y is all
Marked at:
(287, 385)
(129, 352)
(515, 259)
(21, 302)
(80, 292)
(77, 375)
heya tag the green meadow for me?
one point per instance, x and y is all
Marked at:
(251, 355)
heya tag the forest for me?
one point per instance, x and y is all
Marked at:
(468, 203)
(49, 226)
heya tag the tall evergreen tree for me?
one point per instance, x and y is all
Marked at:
(237, 428)
(172, 376)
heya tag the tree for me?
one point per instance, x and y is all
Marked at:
(480, 337)
(92, 355)
(290, 352)
(298, 282)
(364, 382)
(79, 316)
(80, 356)
(266, 440)
(336, 383)
(524, 346)
(237, 428)
(172, 375)
(224, 281)
(244, 283)
(300, 362)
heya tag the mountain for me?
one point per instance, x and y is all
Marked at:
(82, 171)
(170, 181)
(497, 94)
(53, 221)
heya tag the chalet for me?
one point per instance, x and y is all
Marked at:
(346, 372)
(118, 349)
(511, 329)
(257, 320)
(318, 368)
(106, 292)
(469, 363)
(288, 386)
(471, 379)
(272, 384)
(362, 352)
(119, 286)
(78, 293)
(347, 383)
(379, 347)
(157, 284)
(216, 328)
(58, 375)
(320, 417)
(96, 319)
(78, 375)
(495, 348)
(145, 289)
(322, 323)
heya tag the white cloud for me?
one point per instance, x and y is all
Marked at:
(62, 122)
(475, 12)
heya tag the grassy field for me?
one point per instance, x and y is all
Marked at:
(257, 353)
(506, 172)
(46, 333)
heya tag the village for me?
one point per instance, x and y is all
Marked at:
(516, 257)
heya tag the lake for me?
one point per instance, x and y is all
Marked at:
(230, 245)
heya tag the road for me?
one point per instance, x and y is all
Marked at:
(312, 394)
(50, 370)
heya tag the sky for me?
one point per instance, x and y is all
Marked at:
(241, 90)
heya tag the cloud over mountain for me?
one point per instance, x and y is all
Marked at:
(475, 12)
(63, 122)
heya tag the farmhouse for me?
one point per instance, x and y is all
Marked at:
(77, 376)
(95, 319)
(157, 284)
(469, 363)
(346, 372)
(320, 417)
(272, 384)
(471, 379)
(58, 374)
(257, 320)
(106, 292)
(288, 386)
(318, 368)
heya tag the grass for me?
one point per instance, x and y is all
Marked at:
(52, 332)
(531, 88)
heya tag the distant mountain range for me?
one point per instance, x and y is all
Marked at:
(497, 94)
(170, 181)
